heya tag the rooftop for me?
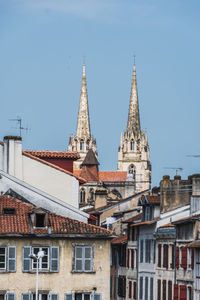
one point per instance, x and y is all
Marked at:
(53, 154)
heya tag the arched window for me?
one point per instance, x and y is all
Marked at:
(81, 145)
(132, 145)
(82, 196)
(131, 170)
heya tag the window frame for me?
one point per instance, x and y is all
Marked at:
(5, 260)
(83, 259)
(40, 260)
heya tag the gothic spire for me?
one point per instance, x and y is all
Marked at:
(83, 122)
(133, 125)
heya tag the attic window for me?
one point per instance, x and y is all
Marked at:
(40, 220)
(9, 211)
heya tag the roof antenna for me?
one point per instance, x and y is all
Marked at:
(177, 169)
(19, 125)
(134, 56)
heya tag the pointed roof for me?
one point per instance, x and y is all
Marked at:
(133, 124)
(83, 122)
(90, 159)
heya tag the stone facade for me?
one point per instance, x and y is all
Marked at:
(83, 140)
(133, 153)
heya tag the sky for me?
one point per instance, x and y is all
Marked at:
(42, 46)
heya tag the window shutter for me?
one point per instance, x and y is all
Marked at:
(177, 257)
(128, 254)
(165, 256)
(132, 258)
(173, 257)
(192, 258)
(184, 257)
(169, 290)
(183, 292)
(159, 255)
(12, 259)
(134, 289)
(54, 265)
(175, 291)
(97, 296)
(130, 289)
(159, 289)
(26, 296)
(53, 296)
(69, 296)
(141, 251)
(164, 290)
(151, 289)
(190, 293)
(10, 296)
(26, 259)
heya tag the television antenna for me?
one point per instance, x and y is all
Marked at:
(173, 168)
(19, 125)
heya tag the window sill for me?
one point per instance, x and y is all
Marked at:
(83, 272)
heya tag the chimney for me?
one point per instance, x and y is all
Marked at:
(12, 161)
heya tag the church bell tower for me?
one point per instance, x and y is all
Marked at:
(83, 140)
(133, 153)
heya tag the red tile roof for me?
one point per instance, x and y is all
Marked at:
(122, 239)
(167, 225)
(1, 143)
(80, 179)
(53, 154)
(145, 222)
(153, 199)
(111, 176)
(135, 218)
(19, 223)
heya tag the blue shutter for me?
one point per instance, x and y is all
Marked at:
(53, 296)
(10, 296)
(69, 296)
(26, 259)
(26, 296)
(54, 265)
(12, 259)
(97, 296)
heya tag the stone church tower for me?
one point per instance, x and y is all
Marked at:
(83, 140)
(133, 153)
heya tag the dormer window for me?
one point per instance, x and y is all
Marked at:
(9, 211)
(40, 220)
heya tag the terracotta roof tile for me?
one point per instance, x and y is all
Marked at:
(53, 154)
(107, 176)
(145, 222)
(122, 239)
(1, 143)
(19, 223)
(135, 218)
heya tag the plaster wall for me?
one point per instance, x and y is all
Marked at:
(65, 281)
(51, 181)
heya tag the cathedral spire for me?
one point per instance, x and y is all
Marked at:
(83, 122)
(133, 125)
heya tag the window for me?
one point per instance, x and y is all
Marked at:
(147, 251)
(50, 261)
(83, 259)
(165, 256)
(122, 286)
(132, 145)
(151, 289)
(92, 194)
(158, 289)
(82, 196)
(159, 255)
(189, 258)
(41, 296)
(146, 287)
(141, 251)
(81, 145)
(40, 220)
(169, 290)
(141, 287)
(82, 296)
(44, 261)
(164, 290)
(8, 259)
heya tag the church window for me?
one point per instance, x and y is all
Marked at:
(82, 145)
(82, 196)
(132, 145)
(131, 170)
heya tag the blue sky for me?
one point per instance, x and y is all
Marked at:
(42, 44)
